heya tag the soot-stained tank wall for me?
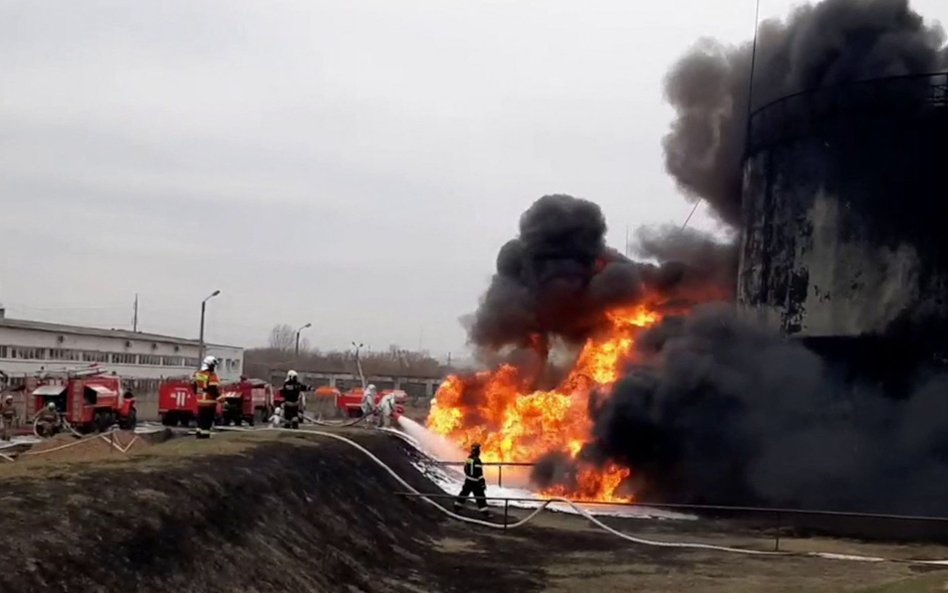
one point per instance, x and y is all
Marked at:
(844, 214)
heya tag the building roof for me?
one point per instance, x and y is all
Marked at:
(97, 331)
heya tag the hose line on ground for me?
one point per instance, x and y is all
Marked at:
(334, 424)
(598, 523)
(537, 511)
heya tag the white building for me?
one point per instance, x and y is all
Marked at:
(29, 348)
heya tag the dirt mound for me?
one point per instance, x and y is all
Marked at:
(292, 515)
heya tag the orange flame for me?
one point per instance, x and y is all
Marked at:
(514, 424)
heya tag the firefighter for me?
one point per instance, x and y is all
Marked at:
(474, 482)
(387, 409)
(292, 394)
(368, 401)
(47, 420)
(276, 421)
(207, 386)
(7, 418)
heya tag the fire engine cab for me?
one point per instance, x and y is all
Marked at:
(88, 399)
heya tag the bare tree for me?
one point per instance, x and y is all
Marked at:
(283, 338)
(258, 362)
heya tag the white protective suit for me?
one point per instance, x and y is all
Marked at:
(277, 420)
(368, 401)
(387, 410)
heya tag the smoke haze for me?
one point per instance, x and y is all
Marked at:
(721, 411)
(717, 410)
(831, 42)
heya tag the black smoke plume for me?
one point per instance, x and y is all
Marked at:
(721, 411)
(832, 42)
(558, 278)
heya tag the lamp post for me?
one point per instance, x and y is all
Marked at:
(359, 363)
(201, 339)
(298, 339)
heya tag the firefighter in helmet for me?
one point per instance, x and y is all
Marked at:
(474, 482)
(7, 418)
(207, 386)
(292, 392)
(47, 421)
(368, 401)
(388, 410)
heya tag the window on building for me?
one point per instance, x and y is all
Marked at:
(172, 361)
(124, 358)
(3, 352)
(149, 359)
(95, 356)
(25, 353)
(415, 390)
(64, 354)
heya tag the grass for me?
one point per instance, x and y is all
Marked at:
(923, 584)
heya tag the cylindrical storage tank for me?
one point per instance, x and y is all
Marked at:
(845, 200)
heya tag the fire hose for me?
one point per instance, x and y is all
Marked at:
(65, 423)
(595, 521)
(334, 424)
(536, 512)
(105, 437)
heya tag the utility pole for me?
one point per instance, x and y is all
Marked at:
(135, 315)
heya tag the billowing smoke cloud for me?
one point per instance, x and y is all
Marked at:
(558, 278)
(721, 411)
(717, 410)
(831, 42)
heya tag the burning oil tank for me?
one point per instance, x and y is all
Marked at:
(845, 213)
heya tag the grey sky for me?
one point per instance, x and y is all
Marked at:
(358, 162)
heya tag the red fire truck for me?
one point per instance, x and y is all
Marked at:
(177, 402)
(88, 399)
(244, 401)
(350, 403)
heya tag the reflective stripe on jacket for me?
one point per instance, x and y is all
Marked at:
(474, 469)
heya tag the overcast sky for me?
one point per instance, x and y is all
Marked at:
(355, 164)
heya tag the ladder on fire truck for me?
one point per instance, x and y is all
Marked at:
(75, 372)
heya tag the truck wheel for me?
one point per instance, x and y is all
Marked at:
(132, 420)
(102, 421)
(168, 419)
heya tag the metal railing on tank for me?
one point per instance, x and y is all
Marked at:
(803, 114)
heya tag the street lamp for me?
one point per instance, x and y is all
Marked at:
(359, 363)
(298, 339)
(203, 309)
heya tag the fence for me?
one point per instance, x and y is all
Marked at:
(500, 465)
(777, 519)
